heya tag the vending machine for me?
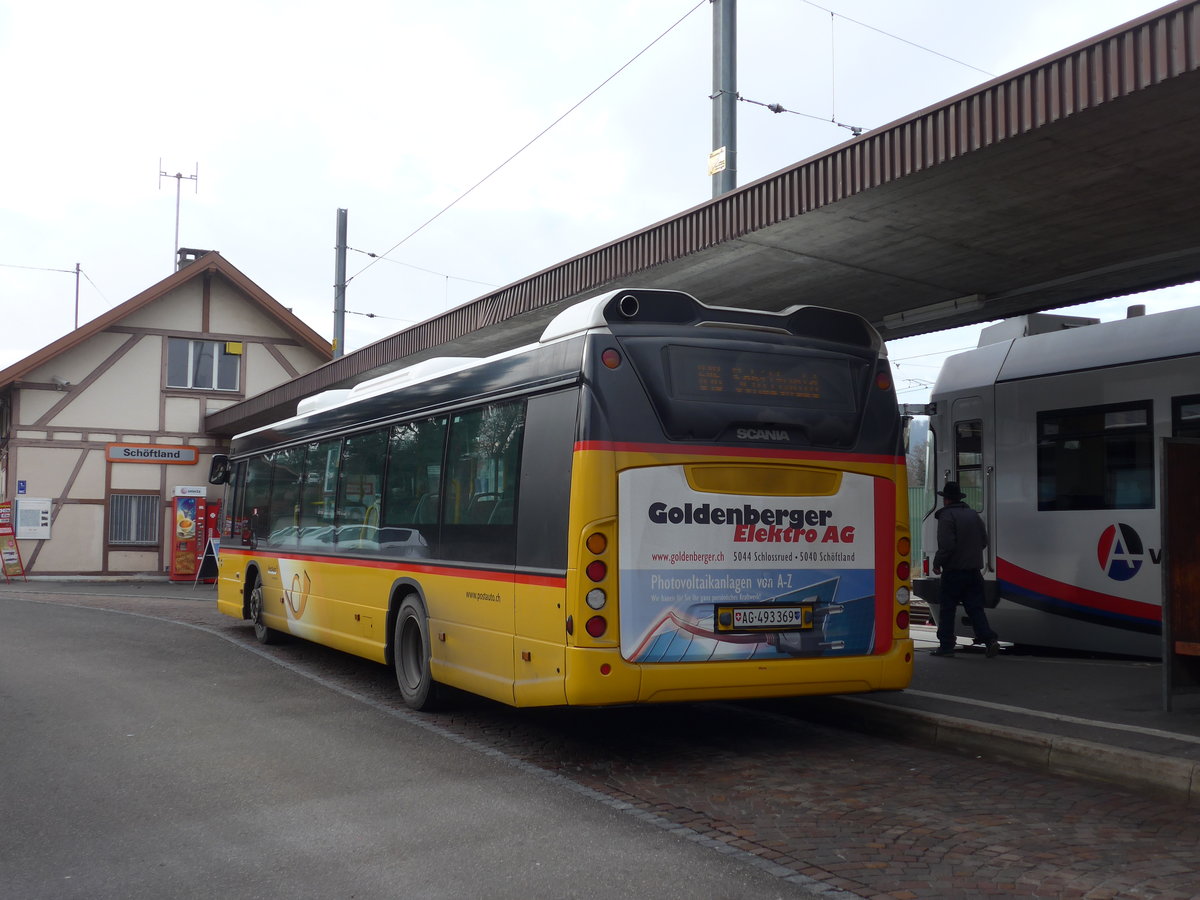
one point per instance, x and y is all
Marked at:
(189, 532)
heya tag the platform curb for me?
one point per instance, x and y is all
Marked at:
(1057, 754)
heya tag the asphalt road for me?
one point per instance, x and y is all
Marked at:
(158, 751)
(144, 759)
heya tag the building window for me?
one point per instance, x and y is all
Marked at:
(135, 519)
(1099, 457)
(203, 365)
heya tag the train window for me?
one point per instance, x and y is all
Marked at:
(968, 460)
(1096, 457)
(1185, 416)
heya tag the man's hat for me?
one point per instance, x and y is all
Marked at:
(951, 491)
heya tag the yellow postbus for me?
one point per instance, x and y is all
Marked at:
(659, 500)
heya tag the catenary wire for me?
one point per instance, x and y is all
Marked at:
(422, 268)
(37, 268)
(527, 145)
(896, 37)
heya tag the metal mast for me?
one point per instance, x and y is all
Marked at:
(179, 178)
(722, 162)
(339, 287)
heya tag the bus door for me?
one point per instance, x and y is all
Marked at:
(973, 463)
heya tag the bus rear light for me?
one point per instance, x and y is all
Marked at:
(596, 570)
(605, 668)
(903, 546)
(902, 619)
(902, 596)
(611, 358)
(597, 543)
(596, 626)
(596, 598)
(903, 570)
(570, 624)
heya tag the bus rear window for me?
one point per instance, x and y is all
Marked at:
(734, 389)
(718, 375)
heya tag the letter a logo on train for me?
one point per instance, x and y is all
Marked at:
(1120, 552)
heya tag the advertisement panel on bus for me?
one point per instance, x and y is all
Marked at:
(738, 576)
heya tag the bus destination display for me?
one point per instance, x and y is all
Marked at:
(730, 376)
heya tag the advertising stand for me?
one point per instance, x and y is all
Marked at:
(9, 550)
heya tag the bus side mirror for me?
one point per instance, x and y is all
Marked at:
(220, 469)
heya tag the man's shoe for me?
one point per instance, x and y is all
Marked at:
(993, 647)
(941, 652)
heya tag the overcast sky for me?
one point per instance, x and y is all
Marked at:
(392, 110)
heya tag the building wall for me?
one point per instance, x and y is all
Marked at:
(117, 394)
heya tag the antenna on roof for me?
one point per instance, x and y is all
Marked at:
(179, 179)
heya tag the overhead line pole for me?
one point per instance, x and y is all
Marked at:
(723, 160)
(339, 287)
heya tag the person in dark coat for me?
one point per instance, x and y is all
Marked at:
(961, 538)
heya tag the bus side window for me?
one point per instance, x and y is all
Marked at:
(280, 521)
(480, 487)
(232, 515)
(255, 513)
(359, 487)
(318, 486)
(412, 490)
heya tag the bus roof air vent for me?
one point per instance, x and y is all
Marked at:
(323, 400)
(411, 374)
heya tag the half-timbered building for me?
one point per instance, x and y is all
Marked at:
(101, 429)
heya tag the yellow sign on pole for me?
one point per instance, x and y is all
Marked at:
(716, 161)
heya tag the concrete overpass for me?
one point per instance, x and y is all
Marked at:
(1075, 178)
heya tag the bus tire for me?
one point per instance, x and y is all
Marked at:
(255, 602)
(410, 650)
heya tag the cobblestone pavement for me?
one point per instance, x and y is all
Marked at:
(853, 815)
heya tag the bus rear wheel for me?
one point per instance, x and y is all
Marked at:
(411, 653)
(262, 633)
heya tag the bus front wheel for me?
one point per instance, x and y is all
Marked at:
(262, 633)
(411, 653)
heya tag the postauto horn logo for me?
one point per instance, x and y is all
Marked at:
(1120, 552)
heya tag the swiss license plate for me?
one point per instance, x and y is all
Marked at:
(764, 618)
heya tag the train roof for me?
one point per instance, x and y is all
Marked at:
(1080, 347)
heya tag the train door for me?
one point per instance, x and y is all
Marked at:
(964, 451)
(972, 462)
